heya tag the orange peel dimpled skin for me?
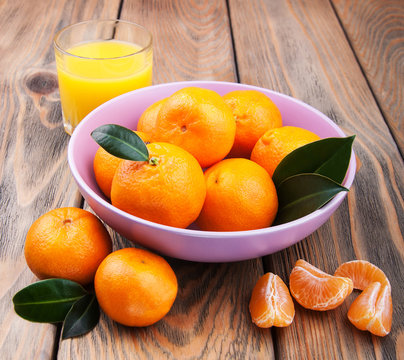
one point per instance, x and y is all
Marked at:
(199, 121)
(240, 195)
(168, 189)
(254, 113)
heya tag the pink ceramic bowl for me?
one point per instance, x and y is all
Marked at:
(189, 244)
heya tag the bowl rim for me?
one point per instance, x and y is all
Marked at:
(349, 177)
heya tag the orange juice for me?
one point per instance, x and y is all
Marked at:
(97, 71)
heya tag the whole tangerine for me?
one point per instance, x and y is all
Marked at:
(135, 287)
(147, 120)
(168, 189)
(276, 143)
(67, 243)
(254, 113)
(199, 121)
(105, 165)
(240, 195)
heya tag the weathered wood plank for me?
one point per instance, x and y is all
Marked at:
(34, 175)
(375, 30)
(191, 39)
(304, 52)
(191, 42)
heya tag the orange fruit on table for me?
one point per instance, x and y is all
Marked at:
(254, 113)
(135, 287)
(317, 290)
(67, 243)
(271, 303)
(372, 310)
(147, 120)
(168, 189)
(276, 143)
(240, 195)
(105, 165)
(362, 273)
(199, 121)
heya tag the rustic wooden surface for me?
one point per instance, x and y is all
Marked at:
(344, 57)
(375, 30)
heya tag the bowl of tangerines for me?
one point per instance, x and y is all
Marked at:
(211, 171)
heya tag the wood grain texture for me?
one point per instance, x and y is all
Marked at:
(192, 39)
(375, 30)
(34, 175)
(305, 54)
(210, 317)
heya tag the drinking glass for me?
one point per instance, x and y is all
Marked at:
(97, 60)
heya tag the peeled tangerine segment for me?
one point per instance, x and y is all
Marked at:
(362, 273)
(317, 290)
(271, 303)
(372, 310)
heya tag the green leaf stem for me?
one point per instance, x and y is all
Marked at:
(329, 157)
(301, 194)
(82, 317)
(48, 300)
(121, 142)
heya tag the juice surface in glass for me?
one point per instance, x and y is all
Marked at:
(99, 71)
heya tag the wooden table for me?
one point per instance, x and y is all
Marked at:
(343, 57)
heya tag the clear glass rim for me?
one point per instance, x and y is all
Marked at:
(145, 48)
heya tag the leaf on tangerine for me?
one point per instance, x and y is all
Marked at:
(121, 142)
(300, 195)
(329, 157)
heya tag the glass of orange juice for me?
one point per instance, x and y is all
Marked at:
(97, 60)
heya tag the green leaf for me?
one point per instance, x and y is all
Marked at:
(47, 300)
(121, 142)
(329, 157)
(82, 317)
(302, 194)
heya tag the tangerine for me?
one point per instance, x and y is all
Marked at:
(362, 273)
(168, 189)
(67, 243)
(271, 303)
(240, 195)
(276, 143)
(317, 290)
(372, 310)
(105, 165)
(147, 120)
(199, 121)
(135, 287)
(254, 113)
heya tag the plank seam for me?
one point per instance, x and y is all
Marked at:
(120, 9)
(56, 343)
(233, 44)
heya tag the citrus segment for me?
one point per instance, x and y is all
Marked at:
(199, 121)
(135, 287)
(168, 189)
(317, 290)
(362, 273)
(240, 195)
(67, 243)
(276, 143)
(271, 303)
(372, 310)
(254, 113)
